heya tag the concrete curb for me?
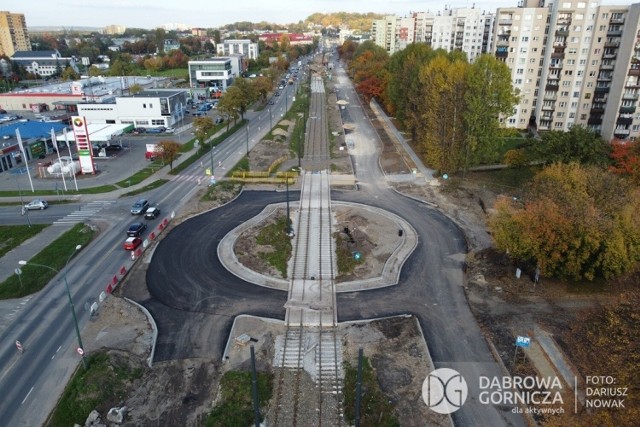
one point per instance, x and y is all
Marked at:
(154, 328)
(233, 326)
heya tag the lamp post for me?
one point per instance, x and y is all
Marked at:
(286, 177)
(247, 129)
(213, 175)
(25, 211)
(66, 285)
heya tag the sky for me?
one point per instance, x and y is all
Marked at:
(212, 13)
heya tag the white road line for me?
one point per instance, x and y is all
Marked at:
(27, 396)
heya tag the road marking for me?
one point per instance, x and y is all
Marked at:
(27, 396)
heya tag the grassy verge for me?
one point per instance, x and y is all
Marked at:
(346, 262)
(275, 235)
(236, 406)
(28, 195)
(100, 387)
(141, 175)
(55, 255)
(201, 152)
(152, 186)
(242, 165)
(375, 409)
(11, 236)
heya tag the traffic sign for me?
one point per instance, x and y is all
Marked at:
(523, 341)
(80, 351)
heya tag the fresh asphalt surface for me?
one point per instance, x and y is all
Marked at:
(191, 290)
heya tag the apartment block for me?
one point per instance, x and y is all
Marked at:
(468, 30)
(573, 63)
(13, 33)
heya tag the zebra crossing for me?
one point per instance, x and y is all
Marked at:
(84, 212)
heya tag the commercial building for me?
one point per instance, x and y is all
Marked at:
(294, 39)
(66, 95)
(210, 77)
(245, 48)
(13, 33)
(152, 108)
(574, 63)
(465, 29)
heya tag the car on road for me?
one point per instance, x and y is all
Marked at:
(152, 212)
(140, 207)
(136, 229)
(277, 94)
(159, 129)
(37, 204)
(271, 102)
(132, 243)
(169, 130)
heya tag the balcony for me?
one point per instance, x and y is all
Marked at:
(595, 120)
(607, 66)
(627, 110)
(557, 65)
(624, 121)
(559, 44)
(602, 89)
(550, 97)
(604, 78)
(612, 43)
(614, 33)
(502, 43)
(552, 87)
(632, 96)
(609, 55)
(562, 33)
(597, 109)
(617, 20)
(557, 55)
(502, 53)
(505, 21)
(634, 71)
(564, 21)
(621, 133)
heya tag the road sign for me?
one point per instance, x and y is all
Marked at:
(19, 345)
(80, 351)
(523, 341)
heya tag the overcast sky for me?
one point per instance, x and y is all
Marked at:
(211, 13)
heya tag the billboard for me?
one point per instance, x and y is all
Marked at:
(83, 145)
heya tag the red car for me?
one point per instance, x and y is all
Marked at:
(132, 243)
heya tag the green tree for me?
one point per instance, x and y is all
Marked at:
(69, 74)
(579, 144)
(169, 151)
(229, 106)
(202, 127)
(577, 223)
(489, 95)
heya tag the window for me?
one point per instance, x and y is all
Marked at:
(589, 84)
(518, 81)
(558, 124)
(594, 62)
(157, 122)
(560, 114)
(525, 39)
(583, 117)
(584, 50)
(562, 104)
(592, 73)
(144, 105)
(596, 51)
(568, 72)
(571, 62)
(581, 5)
(587, 96)
(576, 94)
(564, 93)
(520, 71)
(580, 73)
(574, 105)
(578, 83)
(585, 106)
(566, 83)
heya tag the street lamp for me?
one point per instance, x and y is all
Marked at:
(66, 284)
(247, 129)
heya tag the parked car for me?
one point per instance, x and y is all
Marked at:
(132, 243)
(136, 229)
(140, 207)
(169, 130)
(139, 130)
(152, 212)
(156, 130)
(36, 204)
(199, 113)
(219, 120)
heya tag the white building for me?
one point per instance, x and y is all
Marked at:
(243, 47)
(213, 76)
(152, 108)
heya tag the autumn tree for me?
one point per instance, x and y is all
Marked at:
(368, 70)
(169, 151)
(489, 94)
(229, 106)
(577, 222)
(202, 127)
(262, 85)
(625, 156)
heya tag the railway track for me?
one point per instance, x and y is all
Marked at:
(310, 350)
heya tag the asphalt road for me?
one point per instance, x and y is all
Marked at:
(191, 290)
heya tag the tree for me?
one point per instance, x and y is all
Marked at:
(169, 151)
(579, 144)
(69, 74)
(489, 95)
(229, 106)
(262, 85)
(135, 89)
(626, 159)
(202, 127)
(577, 222)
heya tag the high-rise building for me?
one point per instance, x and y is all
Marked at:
(466, 29)
(13, 33)
(574, 62)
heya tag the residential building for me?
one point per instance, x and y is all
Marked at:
(294, 38)
(243, 47)
(574, 63)
(467, 29)
(13, 33)
(171, 44)
(44, 63)
(114, 29)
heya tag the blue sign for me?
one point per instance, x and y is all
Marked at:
(523, 341)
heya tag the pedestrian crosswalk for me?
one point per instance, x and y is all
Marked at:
(200, 178)
(84, 212)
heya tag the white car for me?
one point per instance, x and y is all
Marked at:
(36, 204)
(169, 130)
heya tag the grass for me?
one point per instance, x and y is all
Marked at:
(242, 165)
(141, 175)
(275, 235)
(346, 262)
(55, 255)
(11, 236)
(92, 190)
(375, 409)
(152, 186)
(103, 385)
(236, 405)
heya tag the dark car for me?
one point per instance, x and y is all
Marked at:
(219, 120)
(139, 130)
(156, 130)
(136, 229)
(140, 207)
(152, 212)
